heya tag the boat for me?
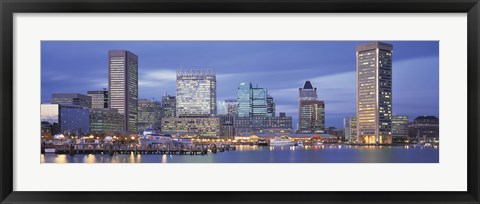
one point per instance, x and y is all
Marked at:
(281, 141)
(300, 143)
(150, 136)
(262, 143)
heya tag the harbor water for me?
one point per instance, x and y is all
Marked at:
(270, 154)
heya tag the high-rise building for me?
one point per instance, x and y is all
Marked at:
(270, 106)
(374, 93)
(99, 98)
(150, 114)
(169, 107)
(244, 99)
(232, 106)
(400, 127)
(311, 117)
(123, 86)
(311, 112)
(71, 119)
(254, 101)
(307, 93)
(196, 93)
(259, 101)
(72, 99)
(350, 125)
(105, 121)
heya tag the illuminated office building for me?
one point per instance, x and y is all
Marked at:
(105, 121)
(311, 112)
(123, 86)
(196, 93)
(204, 126)
(254, 101)
(168, 106)
(374, 93)
(150, 114)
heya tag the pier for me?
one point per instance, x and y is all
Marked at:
(156, 149)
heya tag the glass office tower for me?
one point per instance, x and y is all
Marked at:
(196, 93)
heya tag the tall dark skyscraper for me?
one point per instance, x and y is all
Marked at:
(168, 105)
(374, 93)
(123, 86)
(311, 112)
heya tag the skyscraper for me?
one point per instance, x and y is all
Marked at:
(259, 101)
(169, 107)
(374, 93)
(311, 112)
(123, 86)
(400, 128)
(196, 93)
(254, 101)
(244, 99)
(99, 98)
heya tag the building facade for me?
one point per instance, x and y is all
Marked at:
(123, 86)
(150, 114)
(254, 101)
(227, 126)
(424, 128)
(244, 99)
(72, 99)
(400, 127)
(168, 106)
(311, 112)
(203, 127)
(374, 93)
(196, 93)
(256, 124)
(99, 98)
(350, 125)
(70, 119)
(105, 121)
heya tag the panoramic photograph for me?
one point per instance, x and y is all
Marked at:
(239, 102)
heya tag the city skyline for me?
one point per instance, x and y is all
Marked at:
(270, 64)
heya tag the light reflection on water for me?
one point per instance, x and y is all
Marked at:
(273, 154)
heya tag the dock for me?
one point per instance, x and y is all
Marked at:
(112, 149)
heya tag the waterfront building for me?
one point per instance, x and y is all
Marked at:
(424, 128)
(255, 124)
(350, 125)
(105, 121)
(123, 86)
(204, 127)
(311, 112)
(374, 93)
(196, 93)
(72, 99)
(71, 119)
(150, 114)
(226, 126)
(99, 98)
(400, 128)
(340, 133)
(259, 101)
(168, 106)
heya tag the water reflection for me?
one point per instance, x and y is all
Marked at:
(325, 153)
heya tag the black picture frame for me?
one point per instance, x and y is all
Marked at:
(10, 7)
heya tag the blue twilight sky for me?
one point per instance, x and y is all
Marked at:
(280, 66)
